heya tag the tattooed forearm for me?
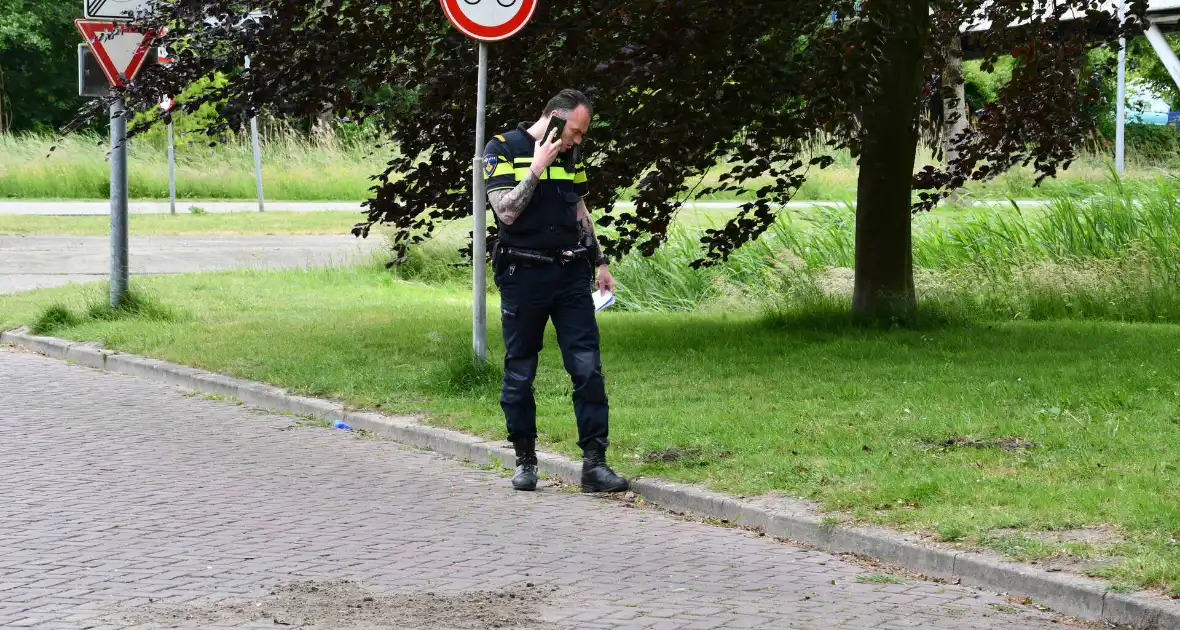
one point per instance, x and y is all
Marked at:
(586, 229)
(508, 204)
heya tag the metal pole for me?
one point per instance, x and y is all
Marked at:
(479, 233)
(171, 171)
(1120, 108)
(1165, 52)
(257, 154)
(119, 264)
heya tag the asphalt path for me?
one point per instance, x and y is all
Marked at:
(30, 262)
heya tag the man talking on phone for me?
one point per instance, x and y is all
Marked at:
(544, 264)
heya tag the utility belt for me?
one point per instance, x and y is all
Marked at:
(508, 254)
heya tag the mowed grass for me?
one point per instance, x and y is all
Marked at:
(974, 434)
(185, 223)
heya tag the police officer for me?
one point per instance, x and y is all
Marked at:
(544, 265)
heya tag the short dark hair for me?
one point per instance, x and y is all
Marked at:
(568, 100)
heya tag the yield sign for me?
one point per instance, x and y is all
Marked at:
(120, 51)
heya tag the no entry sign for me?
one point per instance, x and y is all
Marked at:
(489, 20)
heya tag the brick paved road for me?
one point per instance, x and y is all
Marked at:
(118, 491)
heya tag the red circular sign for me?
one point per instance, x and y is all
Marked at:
(489, 20)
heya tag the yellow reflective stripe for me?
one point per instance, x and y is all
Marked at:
(502, 168)
(553, 173)
(526, 161)
(578, 175)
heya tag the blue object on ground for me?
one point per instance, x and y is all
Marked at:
(339, 424)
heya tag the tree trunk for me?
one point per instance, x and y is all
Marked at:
(954, 107)
(884, 284)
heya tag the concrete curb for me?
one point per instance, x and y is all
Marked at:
(1069, 594)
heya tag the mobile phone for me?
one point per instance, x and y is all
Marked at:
(558, 123)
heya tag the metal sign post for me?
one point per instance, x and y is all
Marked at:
(257, 153)
(120, 52)
(257, 163)
(119, 262)
(1121, 107)
(166, 105)
(1164, 50)
(171, 170)
(479, 322)
(164, 59)
(484, 21)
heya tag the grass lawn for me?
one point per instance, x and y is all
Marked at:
(987, 435)
(185, 223)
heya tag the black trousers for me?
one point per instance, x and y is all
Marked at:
(531, 294)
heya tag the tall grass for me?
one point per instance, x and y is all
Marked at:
(1114, 255)
(294, 167)
(337, 166)
(1104, 226)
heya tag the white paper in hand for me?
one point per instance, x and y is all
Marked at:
(603, 299)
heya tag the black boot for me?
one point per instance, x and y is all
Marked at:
(596, 475)
(526, 465)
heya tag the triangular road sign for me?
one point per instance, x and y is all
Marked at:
(120, 52)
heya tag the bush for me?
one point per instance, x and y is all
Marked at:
(1147, 143)
(1153, 142)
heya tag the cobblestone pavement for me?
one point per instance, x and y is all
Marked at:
(29, 262)
(124, 497)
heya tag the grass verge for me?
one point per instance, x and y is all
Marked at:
(988, 435)
(186, 223)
